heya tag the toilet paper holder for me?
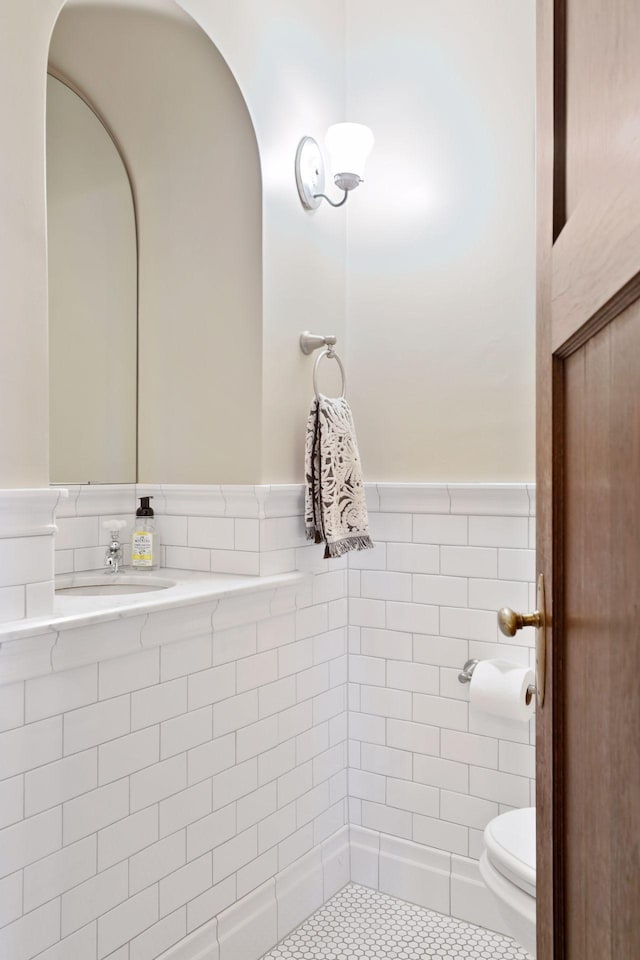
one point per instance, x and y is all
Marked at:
(467, 672)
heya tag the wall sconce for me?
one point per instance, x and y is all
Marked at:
(348, 146)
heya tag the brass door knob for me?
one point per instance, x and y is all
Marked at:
(510, 622)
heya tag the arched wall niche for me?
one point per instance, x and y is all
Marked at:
(184, 129)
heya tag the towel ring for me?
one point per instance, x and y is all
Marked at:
(331, 355)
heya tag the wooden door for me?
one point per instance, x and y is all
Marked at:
(588, 369)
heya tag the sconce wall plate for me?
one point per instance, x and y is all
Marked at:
(309, 173)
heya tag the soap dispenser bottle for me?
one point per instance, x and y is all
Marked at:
(145, 546)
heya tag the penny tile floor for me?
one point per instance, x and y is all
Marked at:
(362, 924)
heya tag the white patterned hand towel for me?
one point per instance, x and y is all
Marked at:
(335, 505)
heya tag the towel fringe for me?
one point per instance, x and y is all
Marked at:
(340, 547)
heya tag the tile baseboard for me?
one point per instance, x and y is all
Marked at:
(202, 944)
(471, 900)
(254, 924)
(439, 881)
(446, 883)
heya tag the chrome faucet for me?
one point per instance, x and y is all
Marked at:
(113, 558)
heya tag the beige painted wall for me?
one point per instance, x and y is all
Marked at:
(441, 239)
(288, 60)
(24, 387)
(440, 276)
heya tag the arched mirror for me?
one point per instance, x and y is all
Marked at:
(92, 253)
(192, 329)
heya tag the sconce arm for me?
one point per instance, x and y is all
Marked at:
(341, 203)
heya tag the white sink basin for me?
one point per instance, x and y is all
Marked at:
(110, 584)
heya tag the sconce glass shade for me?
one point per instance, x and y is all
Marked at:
(348, 146)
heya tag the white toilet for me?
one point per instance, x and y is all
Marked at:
(508, 867)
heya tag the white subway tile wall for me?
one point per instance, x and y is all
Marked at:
(144, 794)
(167, 770)
(423, 766)
(81, 538)
(27, 552)
(252, 530)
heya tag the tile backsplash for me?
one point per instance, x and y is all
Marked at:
(246, 530)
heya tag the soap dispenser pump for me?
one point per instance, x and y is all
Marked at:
(145, 547)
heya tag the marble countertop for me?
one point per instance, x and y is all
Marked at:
(189, 587)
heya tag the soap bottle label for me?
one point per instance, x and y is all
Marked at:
(142, 549)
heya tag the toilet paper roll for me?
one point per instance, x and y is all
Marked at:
(500, 688)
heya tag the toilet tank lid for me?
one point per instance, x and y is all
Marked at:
(510, 840)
